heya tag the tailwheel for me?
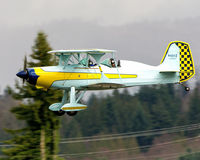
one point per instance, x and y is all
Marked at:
(59, 113)
(187, 88)
(72, 113)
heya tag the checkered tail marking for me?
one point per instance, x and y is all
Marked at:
(187, 69)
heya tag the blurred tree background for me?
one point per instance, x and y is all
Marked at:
(40, 136)
(152, 107)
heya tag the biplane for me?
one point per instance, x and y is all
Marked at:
(81, 70)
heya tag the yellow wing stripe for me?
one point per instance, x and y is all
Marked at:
(115, 76)
(46, 78)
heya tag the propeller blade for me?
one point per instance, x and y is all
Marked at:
(25, 66)
(25, 63)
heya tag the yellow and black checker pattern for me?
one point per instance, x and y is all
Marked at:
(187, 69)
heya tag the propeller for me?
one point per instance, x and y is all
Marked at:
(23, 74)
(25, 66)
(25, 63)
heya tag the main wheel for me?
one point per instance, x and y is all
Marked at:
(59, 113)
(72, 113)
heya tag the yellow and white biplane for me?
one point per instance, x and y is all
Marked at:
(82, 70)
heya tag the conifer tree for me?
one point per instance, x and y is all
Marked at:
(194, 110)
(39, 138)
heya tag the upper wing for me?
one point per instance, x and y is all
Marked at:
(88, 51)
(65, 55)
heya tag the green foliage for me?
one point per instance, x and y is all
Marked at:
(161, 99)
(34, 111)
(193, 114)
(152, 107)
(194, 156)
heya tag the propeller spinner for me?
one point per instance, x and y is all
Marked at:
(23, 74)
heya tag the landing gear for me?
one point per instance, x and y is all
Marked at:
(59, 113)
(186, 88)
(69, 103)
(69, 113)
(72, 113)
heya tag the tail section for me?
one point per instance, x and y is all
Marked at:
(178, 58)
(171, 60)
(187, 69)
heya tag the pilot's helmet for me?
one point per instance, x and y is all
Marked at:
(90, 62)
(112, 61)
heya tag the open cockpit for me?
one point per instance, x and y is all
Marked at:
(86, 58)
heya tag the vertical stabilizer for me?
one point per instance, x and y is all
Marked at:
(171, 60)
(178, 58)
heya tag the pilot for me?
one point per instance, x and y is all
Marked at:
(90, 63)
(112, 62)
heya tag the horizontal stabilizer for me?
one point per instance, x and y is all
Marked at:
(168, 71)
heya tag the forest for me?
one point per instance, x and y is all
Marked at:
(31, 131)
(151, 108)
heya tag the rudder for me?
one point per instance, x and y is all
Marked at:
(187, 69)
(184, 63)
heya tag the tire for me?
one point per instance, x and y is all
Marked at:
(59, 113)
(72, 113)
(187, 89)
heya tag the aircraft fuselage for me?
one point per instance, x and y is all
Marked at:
(129, 74)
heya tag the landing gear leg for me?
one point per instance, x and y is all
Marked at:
(58, 111)
(69, 103)
(72, 100)
(186, 88)
(73, 106)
